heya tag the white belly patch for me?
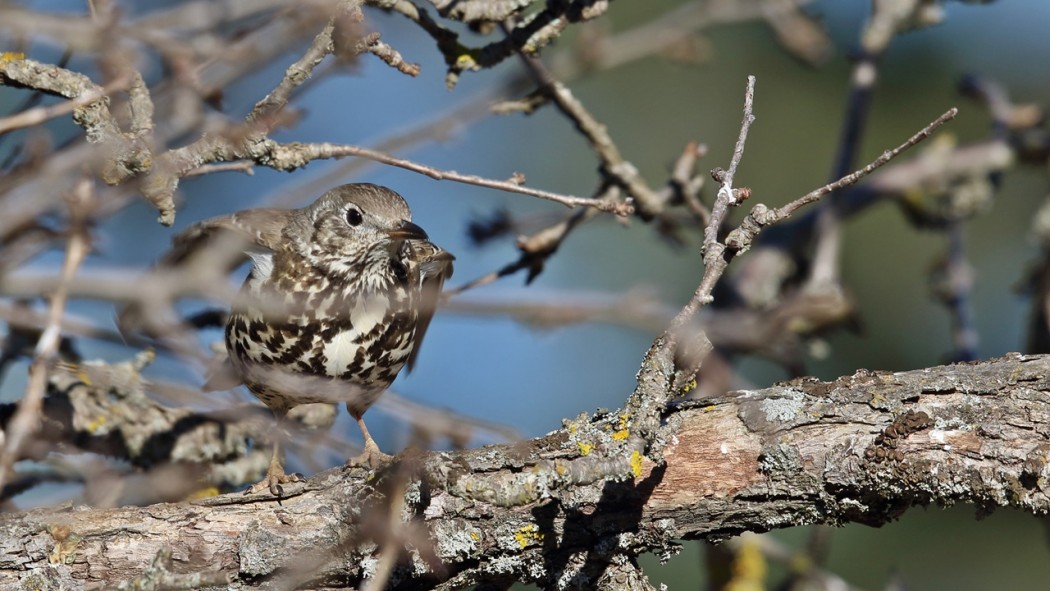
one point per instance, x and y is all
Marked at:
(340, 351)
(365, 316)
(367, 313)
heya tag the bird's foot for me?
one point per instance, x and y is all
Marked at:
(371, 457)
(273, 481)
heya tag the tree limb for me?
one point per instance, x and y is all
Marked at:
(862, 448)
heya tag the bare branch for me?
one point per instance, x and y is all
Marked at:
(27, 419)
(613, 162)
(296, 74)
(726, 198)
(295, 155)
(38, 115)
(712, 250)
(760, 216)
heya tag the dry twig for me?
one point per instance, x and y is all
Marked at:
(27, 419)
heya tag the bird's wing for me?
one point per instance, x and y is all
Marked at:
(224, 241)
(240, 232)
(432, 274)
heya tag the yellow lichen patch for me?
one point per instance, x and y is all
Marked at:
(621, 433)
(709, 408)
(689, 387)
(12, 56)
(204, 493)
(585, 448)
(466, 61)
(475, 536)
(625, 421)
(636, 463)
(527, 535)
(96, 425)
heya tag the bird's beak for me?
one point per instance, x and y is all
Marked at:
(408, 231)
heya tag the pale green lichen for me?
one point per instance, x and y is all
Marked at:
(455, 542)
(368, 567)
(785, 408)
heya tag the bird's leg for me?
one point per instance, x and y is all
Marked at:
(275, 475)
(371, 456)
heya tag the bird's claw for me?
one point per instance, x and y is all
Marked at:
(371, 457)
(273, 482)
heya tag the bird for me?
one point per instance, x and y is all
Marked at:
(338, 299)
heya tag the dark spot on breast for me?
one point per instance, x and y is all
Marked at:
(236, 325)
(317, 365)
(275, 342)
(396, 327)
(353, 369)
(255, 331)
(294, 351)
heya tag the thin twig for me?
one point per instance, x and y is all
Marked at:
(26, 419)
(856, 175)
(21, 317)
(391, 548)
(38, 115)
(537, 248)
(613, 162)
(295, 75)
(682, 181)
(633, 309)
(245, 166)
(325, 150)
(725, 193)
(740, 239)
(712, 250)
(483, 280)
(436, 129)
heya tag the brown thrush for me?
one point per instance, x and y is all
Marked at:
(339, 297)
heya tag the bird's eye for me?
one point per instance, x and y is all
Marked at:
(353, 216)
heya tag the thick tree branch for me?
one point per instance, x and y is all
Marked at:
(862, 448)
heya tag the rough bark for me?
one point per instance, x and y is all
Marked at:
(862, 448)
